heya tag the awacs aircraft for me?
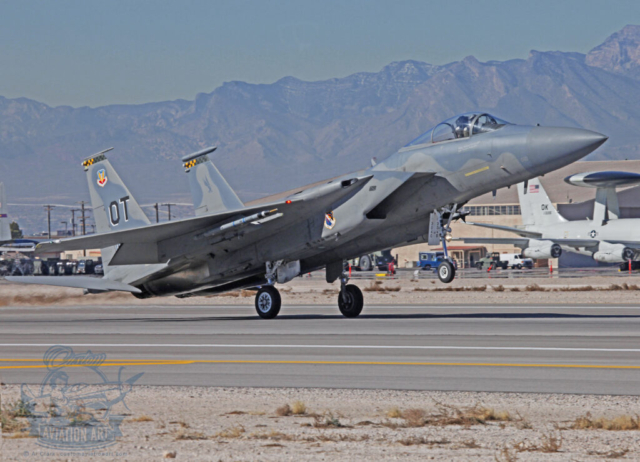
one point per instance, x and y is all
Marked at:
(411, 196)
(545, 233)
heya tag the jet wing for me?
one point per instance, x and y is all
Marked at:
(508, 228)
(80, 282)
(143, 241)
(524, 242)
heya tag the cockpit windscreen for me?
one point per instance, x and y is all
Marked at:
(461, 126)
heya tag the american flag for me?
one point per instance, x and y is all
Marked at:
(534, 188)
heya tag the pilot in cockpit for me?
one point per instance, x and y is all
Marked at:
(462, 127)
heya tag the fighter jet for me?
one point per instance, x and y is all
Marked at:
(545, 233)
(410, 197)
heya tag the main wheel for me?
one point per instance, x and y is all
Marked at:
(365, 263)
(519, 266)
(268, 302)
(350, 301)
(446, 272)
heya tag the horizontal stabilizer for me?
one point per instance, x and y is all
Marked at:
(522, 232)
(78, 282)
(523, 242)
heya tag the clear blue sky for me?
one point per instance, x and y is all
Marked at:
(103, 52)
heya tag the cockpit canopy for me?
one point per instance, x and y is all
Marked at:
(460, 126)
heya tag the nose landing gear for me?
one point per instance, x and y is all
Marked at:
(446, 269)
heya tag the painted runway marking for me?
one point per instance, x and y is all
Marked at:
(354, 347)
(331, 363)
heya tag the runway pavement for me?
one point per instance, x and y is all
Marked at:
(565, 349)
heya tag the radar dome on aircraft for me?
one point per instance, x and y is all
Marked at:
(604, 179)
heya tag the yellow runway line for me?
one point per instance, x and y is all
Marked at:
(143, 362)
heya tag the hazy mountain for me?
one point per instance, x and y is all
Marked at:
(282, 135)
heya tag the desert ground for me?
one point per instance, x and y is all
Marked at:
(232, 424)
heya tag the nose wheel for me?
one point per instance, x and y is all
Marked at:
(446, 272)
(268, 302)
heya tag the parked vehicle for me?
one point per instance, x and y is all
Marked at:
(87, 265)
(379, 260)
(67, 267)
(516, 261)
(49, 266)
(490, 261)
(98, 269)
(504, 261)
(429, 260)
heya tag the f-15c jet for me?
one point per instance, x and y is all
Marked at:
(545, 233)
(410, 197)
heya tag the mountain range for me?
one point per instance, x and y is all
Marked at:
(278, 136)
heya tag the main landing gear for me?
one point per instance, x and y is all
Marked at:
(268, 302)
(350, 299)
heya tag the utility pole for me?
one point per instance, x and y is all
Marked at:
(66, 229)
(48, 208)
(73, 220)
(84, 228)
(169, 209)
(84, 224)
(157, 214)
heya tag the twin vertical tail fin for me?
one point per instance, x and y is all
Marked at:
(536, 207)
(114, 208)
(5, 229)
(211, 192)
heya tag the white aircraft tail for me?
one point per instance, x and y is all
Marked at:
(5, 229)
(211, 192)
(535, 206)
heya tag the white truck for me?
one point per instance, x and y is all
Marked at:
(515, 261)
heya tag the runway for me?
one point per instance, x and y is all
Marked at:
(563, 349)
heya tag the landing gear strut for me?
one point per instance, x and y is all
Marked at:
(350, 299)
(446, 269)
(268, 302)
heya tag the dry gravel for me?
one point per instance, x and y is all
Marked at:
(242, 424)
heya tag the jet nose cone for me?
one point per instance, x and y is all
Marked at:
(553, 147)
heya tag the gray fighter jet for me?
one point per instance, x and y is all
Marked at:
(410, 197)
(545, 233)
